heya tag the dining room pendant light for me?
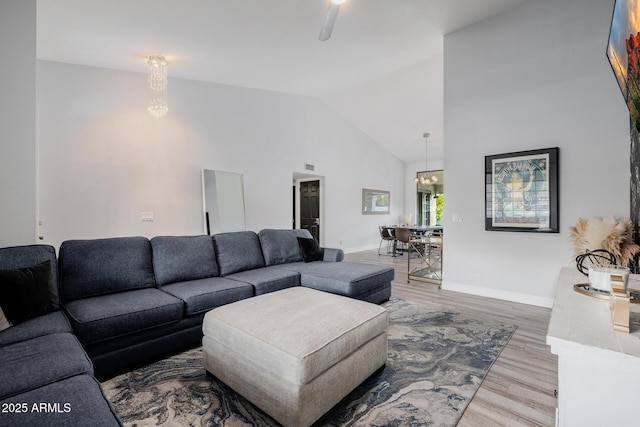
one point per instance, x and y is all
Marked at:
(158, 106)
(425, 179)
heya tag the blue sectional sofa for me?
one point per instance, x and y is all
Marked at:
(121, 302)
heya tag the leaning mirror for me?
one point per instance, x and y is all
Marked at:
(430, 192)
(223, 201)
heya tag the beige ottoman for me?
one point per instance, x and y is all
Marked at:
(297, 352)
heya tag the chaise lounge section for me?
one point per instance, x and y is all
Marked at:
(365, 282)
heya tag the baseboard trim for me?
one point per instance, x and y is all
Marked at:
(361, 249)
(498, 294)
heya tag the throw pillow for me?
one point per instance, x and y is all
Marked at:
(311, 250)
(24, 292)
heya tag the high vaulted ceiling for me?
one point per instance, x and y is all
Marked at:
(381, 69)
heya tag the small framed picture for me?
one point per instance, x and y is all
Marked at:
(375, 202)
(521, 191)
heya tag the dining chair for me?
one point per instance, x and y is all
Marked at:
(386, 235)
(403, 235)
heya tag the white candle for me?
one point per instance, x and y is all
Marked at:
(600, 276)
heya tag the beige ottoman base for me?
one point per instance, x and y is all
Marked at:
(289, 402)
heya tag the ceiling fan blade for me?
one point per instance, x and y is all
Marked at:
(329, 21)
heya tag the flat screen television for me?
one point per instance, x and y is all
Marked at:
(623, 51)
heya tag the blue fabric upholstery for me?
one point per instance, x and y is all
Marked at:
(30, 255)
(86, 401)
(281, 246)
(238, 251)
(121, 354)
(376, 296)
(180, 258)
(108, 290)
(343, 278)
(267, 279)
(112, 346)
(114, 315)
(27, 365)
(51, 323)
(203, 295)
(333, 255)
(102, 266)
(41, 362)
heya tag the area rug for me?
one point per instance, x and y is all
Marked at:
(437, 360)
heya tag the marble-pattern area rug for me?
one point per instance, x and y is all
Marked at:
(437, 360)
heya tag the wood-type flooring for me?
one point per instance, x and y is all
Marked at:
(519, 388)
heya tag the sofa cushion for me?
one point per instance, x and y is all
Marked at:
(267, 279)
(33, 363)
(77, 401)
(102, 266)
(281, 246)
(202, 295)
(29, 255)
(24, 292)
(342, 278)
(51, 323)
(108, 316)
(238, 251)
(179, 258)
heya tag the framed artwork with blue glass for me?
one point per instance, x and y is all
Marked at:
(521, 191)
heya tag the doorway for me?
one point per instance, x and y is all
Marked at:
(308, 196)
(310, 207)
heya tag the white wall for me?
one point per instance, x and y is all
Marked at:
(103, 159)
(17, 122)
(533, 77)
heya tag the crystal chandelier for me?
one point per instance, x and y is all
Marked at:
(158, 106)
(426, 179)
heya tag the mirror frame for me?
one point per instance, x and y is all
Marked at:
(209, 226)
(369, 195)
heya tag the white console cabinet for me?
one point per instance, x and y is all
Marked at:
(598, 369)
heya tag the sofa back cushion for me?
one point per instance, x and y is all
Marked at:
(181, 258)
(238, 251)
(28, 256)
(103, 266)
(281, 246)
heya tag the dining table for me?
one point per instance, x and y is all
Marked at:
(417, 230)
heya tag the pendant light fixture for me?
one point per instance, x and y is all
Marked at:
(158, 106)
(330, 19)
(425, 179)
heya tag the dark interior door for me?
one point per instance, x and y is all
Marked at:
(310, 207)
